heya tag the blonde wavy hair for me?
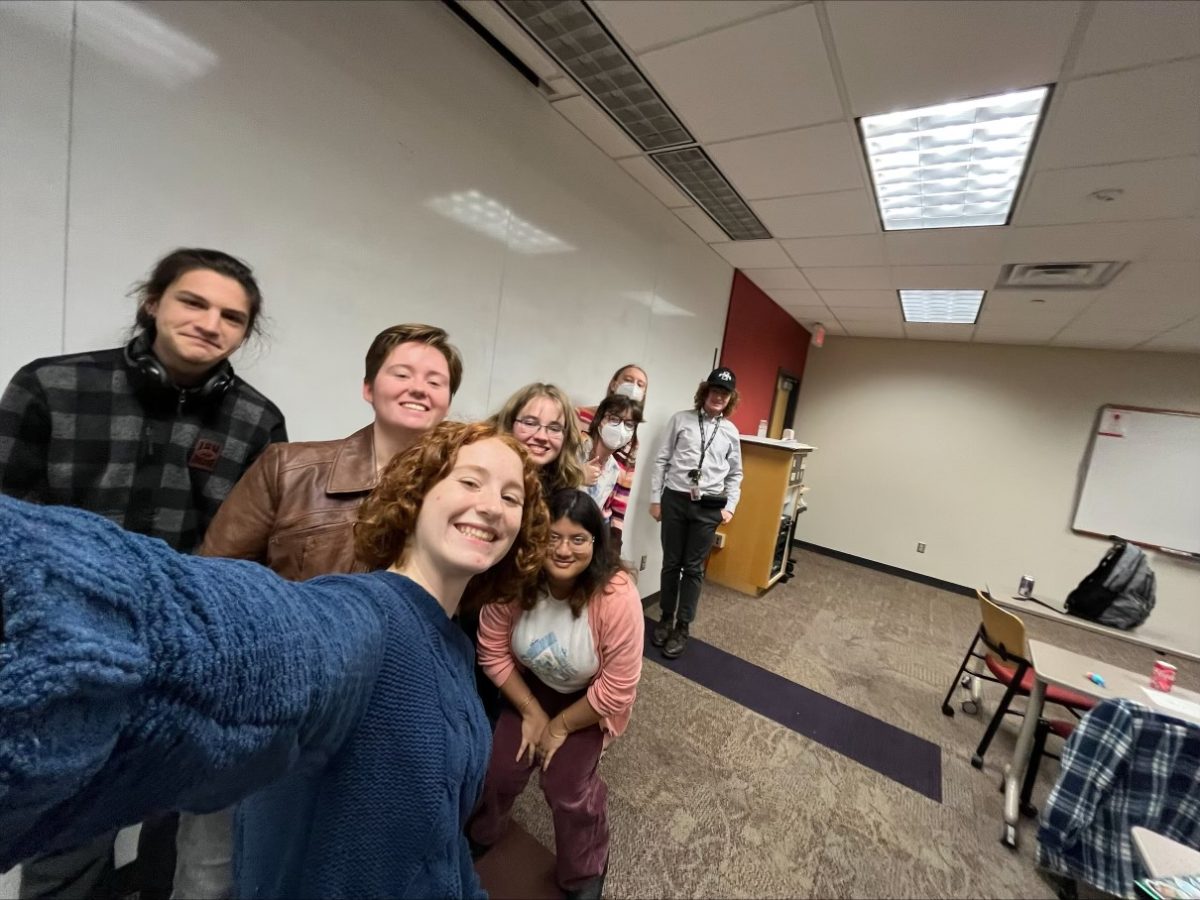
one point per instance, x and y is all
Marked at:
(567, 470)
(389, 515)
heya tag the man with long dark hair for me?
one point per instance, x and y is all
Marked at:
(152, 436)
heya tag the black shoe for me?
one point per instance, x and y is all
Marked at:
(677, 641)
(661, 632)
(592, 890)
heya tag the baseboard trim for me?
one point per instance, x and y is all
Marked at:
(650, 599)
(950, 586)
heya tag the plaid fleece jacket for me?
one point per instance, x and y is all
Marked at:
(1124, 765)
(74, 432)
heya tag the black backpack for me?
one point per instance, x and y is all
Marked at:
(1119, 592)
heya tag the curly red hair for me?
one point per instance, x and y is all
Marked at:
(389, 515)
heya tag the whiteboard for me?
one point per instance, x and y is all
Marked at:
(1141, 480)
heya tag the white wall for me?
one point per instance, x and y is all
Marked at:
(976, 450)
(311, 139)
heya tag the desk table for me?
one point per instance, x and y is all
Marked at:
(1145, 635)
(1163, 857)
(1053, 665)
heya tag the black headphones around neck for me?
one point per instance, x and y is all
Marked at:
(150, 377)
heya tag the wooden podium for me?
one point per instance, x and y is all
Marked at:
(751, 552)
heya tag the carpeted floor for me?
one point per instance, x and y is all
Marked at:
(710, 799)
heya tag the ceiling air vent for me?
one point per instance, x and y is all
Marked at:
(1067, 276)
(693, 171)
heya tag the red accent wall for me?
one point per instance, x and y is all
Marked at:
(760, 338)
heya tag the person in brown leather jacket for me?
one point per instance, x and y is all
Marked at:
(294, 510)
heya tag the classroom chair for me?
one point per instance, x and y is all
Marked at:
(1003, 637)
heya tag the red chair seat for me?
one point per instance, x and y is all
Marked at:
(1054, 694)
(1061, 727)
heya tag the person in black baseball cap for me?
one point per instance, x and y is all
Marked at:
(694, 488)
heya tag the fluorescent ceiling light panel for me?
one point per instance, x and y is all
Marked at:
(942, 307)
(953, 165)
(570, 32)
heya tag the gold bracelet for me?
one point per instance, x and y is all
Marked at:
(524, 705)
(566, 727)
(563, 715)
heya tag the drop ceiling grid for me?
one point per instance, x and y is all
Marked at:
(1054, 220)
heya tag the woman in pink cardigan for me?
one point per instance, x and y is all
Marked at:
(568, 662)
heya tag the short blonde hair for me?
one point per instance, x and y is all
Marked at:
(567, 470)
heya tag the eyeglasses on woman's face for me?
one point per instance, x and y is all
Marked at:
(576, 542)
(531, 425)
(611, 419)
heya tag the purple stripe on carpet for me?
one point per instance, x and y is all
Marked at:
(903, 757)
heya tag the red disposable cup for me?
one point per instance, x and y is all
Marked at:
(1163, 676)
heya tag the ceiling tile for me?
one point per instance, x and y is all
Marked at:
(1142, 114)
(585, 115)
(874, 329)
(652, 179)
(1015, 333)
(924, 331)
(1123, 312)
(1107, 340)
(769, 279)
(848, 314)
(754, 255)
(898, 56)
(1161, 189)
(709, 82)
(1126, 33)
(1162, 279)
(1183, 339)
(944, 246)
(836, 300)
(809, 313)
(866, 278)
(1017, 310)
(805, 161)
(1177, 239)
(644, 25)
(944, 278)
(697, 219)
(817, 215)
(856, 250)
(793, 297)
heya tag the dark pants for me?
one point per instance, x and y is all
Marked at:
(577, 795)
(688, 530)
(87, 871)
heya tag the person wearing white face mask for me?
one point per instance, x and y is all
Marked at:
(628, 381)
(613, 429)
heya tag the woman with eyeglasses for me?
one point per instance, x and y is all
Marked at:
(543, 418)
(135, 679)
(612, 431)
(567, 661)
(628, 381)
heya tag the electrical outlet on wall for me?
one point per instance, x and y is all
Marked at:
(642, 564)
(920, 546)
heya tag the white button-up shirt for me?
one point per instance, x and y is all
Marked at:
(721, 468)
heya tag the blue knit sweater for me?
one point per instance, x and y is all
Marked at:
(135, 680)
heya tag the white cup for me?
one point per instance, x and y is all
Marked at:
(762, 428)
(789, 434)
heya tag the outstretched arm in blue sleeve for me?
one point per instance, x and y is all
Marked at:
(135, 679)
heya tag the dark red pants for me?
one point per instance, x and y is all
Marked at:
(577, 795)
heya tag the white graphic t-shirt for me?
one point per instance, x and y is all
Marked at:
(556, 646)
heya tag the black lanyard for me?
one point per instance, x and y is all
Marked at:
(704, 445)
